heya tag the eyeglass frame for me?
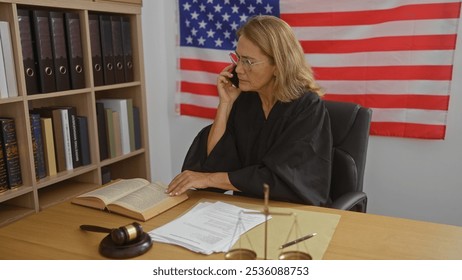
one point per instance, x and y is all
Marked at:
(246, 62)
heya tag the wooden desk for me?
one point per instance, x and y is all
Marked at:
(55, 234)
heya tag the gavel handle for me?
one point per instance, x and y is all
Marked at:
(95, 228)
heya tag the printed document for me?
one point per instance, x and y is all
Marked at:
(209, 227)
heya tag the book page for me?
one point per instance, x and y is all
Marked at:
(143, 198)
(116, 190)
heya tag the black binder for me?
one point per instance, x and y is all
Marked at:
(117, 49)
(106, 47)
(127, 47)
(28, 54)
(95, 42)
(75, 52)
(58, 39)
(41, 23)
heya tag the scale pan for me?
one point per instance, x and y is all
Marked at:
(240, 254)
(295, 255)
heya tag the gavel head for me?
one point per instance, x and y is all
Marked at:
(127, 234)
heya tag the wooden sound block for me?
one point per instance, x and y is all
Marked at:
(109, 249)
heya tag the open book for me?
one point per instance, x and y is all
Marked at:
(135, 198)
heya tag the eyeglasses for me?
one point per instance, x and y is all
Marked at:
(235, 59)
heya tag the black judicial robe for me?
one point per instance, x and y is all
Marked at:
(291, 150)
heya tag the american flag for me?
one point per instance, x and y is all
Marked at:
(394, 56)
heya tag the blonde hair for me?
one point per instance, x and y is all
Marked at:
(276, 39)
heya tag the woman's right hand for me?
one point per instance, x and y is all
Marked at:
(227, 92)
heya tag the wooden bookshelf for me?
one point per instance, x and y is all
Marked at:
(36, 195)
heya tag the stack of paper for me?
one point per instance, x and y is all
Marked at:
(208, 227)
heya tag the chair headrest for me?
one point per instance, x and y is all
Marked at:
(342, 117)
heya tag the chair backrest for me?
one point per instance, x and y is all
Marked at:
(350, 124)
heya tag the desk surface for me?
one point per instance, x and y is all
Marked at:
(55, 234)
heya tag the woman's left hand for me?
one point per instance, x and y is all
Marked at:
(188, 180)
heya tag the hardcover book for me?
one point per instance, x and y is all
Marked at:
(109, 120)
(136, 198)
(37, 146)
(3, 84)
(3, 174)
(11, 152)
(61, 135)
(102, 135)
(84, 141)
(8, 57)
(137, 127)
(66, 131)
(49, 146)
(125, 110)
(117, 133)
(73, 135)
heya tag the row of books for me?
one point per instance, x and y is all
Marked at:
(111, 48)
(8, 86)
(52, 50)
(10, 167)
(59, 139)
(119, 129)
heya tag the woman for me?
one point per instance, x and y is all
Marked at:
(272, 129)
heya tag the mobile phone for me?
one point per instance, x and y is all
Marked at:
(234, 80)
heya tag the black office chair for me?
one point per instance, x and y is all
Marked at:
(350, 124)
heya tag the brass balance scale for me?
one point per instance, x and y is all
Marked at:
(240, 253)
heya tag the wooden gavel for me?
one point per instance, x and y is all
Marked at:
(120, 236)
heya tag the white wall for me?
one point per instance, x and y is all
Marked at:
(417, 179)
